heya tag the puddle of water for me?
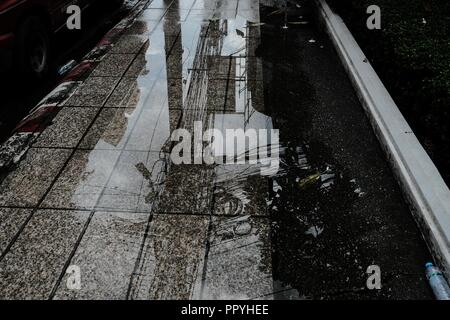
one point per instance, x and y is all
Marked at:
(227, 67)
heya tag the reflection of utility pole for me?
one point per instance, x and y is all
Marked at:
(174, 65)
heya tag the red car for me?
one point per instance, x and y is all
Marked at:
(26, 29)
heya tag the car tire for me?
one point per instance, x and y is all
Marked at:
(33, 48)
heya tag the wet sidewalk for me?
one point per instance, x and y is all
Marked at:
(98, 188)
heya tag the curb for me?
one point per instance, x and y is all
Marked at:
(41, 116)
(419, 179)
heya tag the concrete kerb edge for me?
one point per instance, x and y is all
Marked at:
(418, 177)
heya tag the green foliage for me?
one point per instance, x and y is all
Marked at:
(415, 37)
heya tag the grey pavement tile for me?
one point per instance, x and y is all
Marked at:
(153, 14)
(133, 183)
(219, 67)
(249, 5)
(125, 185)
(28, 183)
(172, 259)
(149, 67)
(176, 90)
(11, 220)
(220, 92)
(160, 4)
(239, 264)
(201, 15)
(184, 4)
(67, 128)
(82, 181)
(141, 27)
(32, 268)
(241, 97)
(138, 67)
(154, 123)
(126, 94)
(106, 256)
(204, 4)
(187, 189)
(177, 66)
(109, 130)
(196, 113)
(154, 172)
(176, 15)
(240, 190)
(148, 127)
(129, 44)
(171, 42)
(93, 92)
(248, 68)
(113, 65)
(192, 96)
(170, 28)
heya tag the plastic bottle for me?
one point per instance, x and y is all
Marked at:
(437, 282)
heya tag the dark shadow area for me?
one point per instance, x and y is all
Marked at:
(19, 93)
(338, 209)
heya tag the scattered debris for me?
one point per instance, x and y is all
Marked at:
(359, 192)
(314, 231)
(309, 180)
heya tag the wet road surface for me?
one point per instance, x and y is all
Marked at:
(98, 189)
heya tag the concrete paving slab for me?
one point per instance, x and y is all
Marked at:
(108, 130)
(187, 189)
(186, 4)
(131, 185)
(106, 257)
(33, 266)
(141, 27)
(67, 128)
(113, 65)
(11, 220)
(153, 14)
(129, 44)
(172, 259)
(152, 129)
(125, 94)
(239, 265)
(177, 13)
(81, 183)
(93, 92)
(26, 185)
(129, 129)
